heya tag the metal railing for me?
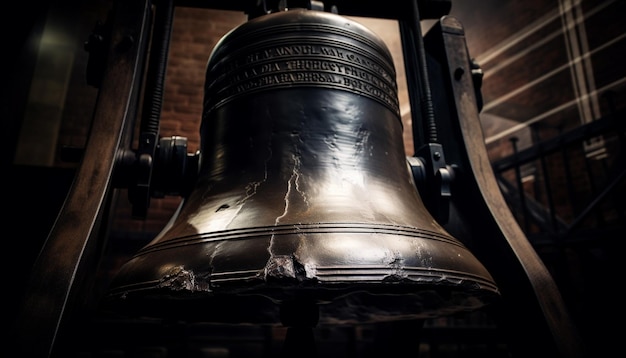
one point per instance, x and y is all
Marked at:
(561, 194)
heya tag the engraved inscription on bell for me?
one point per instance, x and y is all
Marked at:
(326, 61)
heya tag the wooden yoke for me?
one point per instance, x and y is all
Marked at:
(531, 311)
(60, 277)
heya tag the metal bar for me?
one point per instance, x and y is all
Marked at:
(426, 107)
(568, 177)
(409, 51)
(546, 181)
(429, 9)
(576, 135)
(140, 193)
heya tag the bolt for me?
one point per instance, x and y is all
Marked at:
(458, 73)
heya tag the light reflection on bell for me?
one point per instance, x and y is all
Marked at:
(304, 192)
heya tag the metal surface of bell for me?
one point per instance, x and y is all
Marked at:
(304, 192)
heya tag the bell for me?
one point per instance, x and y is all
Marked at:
(304, 195)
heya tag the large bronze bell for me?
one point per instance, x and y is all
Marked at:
(304, 195)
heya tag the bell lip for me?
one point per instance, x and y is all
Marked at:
(153, 283)
(344, 303)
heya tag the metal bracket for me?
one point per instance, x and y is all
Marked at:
(433, 178)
